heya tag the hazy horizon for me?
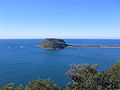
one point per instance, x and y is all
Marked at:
(58, 38)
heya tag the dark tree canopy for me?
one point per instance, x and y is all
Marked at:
(86, 77)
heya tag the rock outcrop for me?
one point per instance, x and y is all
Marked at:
(52, 43)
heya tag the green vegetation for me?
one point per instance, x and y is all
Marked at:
(10, 86)
(83, 76)
(86, 77)
(41, 85)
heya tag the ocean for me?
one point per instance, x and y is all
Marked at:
(21, 61)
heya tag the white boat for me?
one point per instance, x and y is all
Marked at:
(22, 46)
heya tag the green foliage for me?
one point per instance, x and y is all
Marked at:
(81, 72)
(20, 87)
(10, 86)
(86, 77)
(83, 76)
(114, 72)
(41, 85)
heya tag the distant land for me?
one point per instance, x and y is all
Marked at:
(53, 43)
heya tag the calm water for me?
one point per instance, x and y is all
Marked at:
(22, 64)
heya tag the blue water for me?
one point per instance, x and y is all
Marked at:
(21, 65)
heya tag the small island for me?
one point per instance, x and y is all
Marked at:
(52, 43)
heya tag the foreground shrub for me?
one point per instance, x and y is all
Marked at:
(114, 72)
(10, 86)
(86, 77)
(82, 76)
(41, 85)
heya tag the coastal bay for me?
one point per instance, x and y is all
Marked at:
(21, 65)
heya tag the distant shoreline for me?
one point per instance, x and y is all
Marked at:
(64, 38)
(93, 46)
(101, 46)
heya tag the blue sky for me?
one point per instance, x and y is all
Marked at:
(60, 18)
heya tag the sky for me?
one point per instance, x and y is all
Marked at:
(98, 19)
